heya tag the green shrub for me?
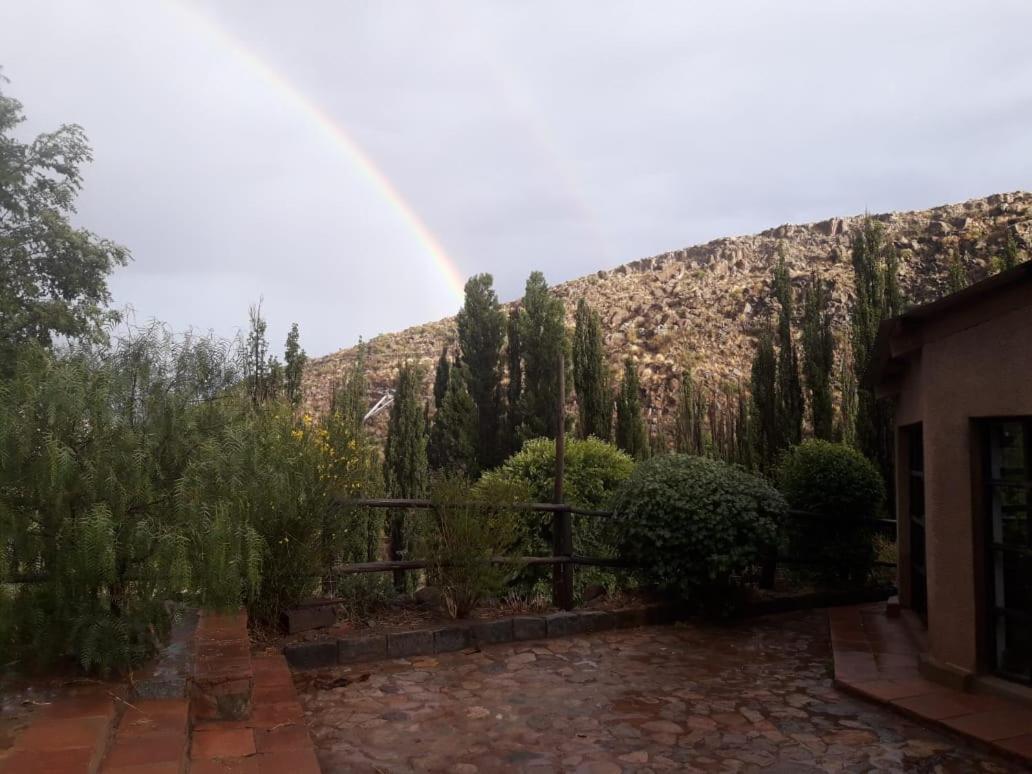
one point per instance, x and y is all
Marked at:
(838, 483)
(696, 526)
(594, 471)
(461, 535)
(140, 474)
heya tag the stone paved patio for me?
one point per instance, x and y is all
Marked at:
(756, 696)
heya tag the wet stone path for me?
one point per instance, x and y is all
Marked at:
(751, 697)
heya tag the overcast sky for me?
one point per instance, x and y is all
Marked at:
(242, 147)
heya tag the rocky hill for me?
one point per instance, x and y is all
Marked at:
(700, 307)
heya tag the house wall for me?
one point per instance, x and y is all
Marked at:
(973, 364)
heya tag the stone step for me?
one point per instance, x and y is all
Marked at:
(69, 735)
(152, 736)
(223, 678)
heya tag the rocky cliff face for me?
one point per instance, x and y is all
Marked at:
(701, 307)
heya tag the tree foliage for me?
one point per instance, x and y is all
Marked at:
(481, 330)
(591, 375)
(514, 388)
(405, 466)
(789, 390)
(53, 276)
(294, 358)
(878, 297)
(452, 446)
(542, 337)
(689, 418)
(441, 375)
(819, 356)
(630, 426)
(766, 438)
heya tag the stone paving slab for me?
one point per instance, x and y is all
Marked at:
(876, 657)
(69, 735)
(747, 697)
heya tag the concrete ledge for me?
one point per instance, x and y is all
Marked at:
(463, 634)
(311, 655)
(562, 624)
(406, 644)
(492, 632)
(451, 638)
(529, 627)
(353, 650)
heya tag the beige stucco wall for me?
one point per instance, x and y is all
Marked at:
(966, 369)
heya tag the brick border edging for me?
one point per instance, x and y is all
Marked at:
(936, 725)
(448, 638)
(460, 635)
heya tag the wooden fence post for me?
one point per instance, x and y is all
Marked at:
(562, 520)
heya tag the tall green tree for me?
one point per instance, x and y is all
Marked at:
(256, 357)
(956, 274)
(878, 297)
(293, 371)
(766, 426)
(743, 430)
(1011, 258)
(845, 430)
(514, 385)
(441, 375)
(405, 468)
(819, 356)
(591, 375)
(53, 275)
(481, 328)
(452, 445)
(789, 387)
(689, 432)
(542, 336)
(630, 426)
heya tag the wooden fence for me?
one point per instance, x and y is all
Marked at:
(563, 560)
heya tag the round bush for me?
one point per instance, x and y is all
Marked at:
(696, 525)
(594, 471)
(838, 485)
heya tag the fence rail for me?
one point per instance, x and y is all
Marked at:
(567, 560)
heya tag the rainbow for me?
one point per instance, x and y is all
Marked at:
(336, 133)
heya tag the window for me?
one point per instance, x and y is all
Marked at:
(916, 516)
(1009, 474)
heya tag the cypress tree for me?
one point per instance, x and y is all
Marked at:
(1010, 253)
(514, 387)
(689, 434)
(789, 387)
(405, 465)
(452, 446)
(878, 296)
(845, 432)
(481, 328)
(542, 338)
(956, 274)
(743, 431)
(256, 362)
(591, 375)
(441, 375)
(765, 435)
(295, 365)
(630, 427)
(819, 356)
